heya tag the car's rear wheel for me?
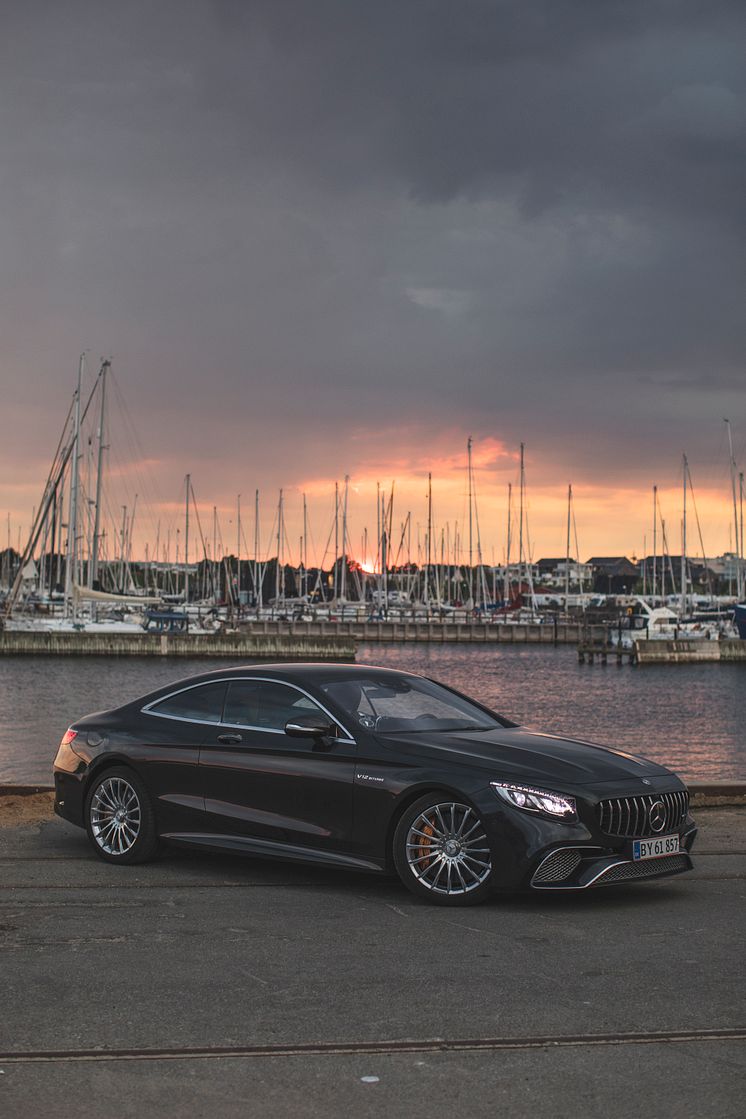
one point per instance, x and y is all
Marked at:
(119, 817)
(441, 852)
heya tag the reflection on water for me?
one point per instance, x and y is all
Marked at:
(688, 717)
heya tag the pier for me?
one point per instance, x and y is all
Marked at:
(683, 651)
(247, 645)
(431, 631)
(589, 651)
(268, 639)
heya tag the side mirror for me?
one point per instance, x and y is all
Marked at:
(310, 726)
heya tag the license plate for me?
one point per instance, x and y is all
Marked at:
(654, 848)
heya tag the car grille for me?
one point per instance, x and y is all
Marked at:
(622, 872)
(557, 867)
(630, 816)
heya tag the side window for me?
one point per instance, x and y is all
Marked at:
(203, 703)
(242, 703)
(266, 705)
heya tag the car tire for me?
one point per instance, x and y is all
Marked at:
(119, 817)
(442, 853)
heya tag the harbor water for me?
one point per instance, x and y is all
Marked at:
(688, 717)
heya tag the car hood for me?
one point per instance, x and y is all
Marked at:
(521, 754)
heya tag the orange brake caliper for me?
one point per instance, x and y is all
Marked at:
(425, 845)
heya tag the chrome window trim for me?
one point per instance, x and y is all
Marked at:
(147, 710)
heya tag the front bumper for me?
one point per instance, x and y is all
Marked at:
(579, 868)
(540, 853)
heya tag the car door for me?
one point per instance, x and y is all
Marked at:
(260, 782)
(169, 733)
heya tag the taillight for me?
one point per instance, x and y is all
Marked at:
(67, 757)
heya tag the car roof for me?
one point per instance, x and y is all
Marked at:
(308, 670)
(293, 671)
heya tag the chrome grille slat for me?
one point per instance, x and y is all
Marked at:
(630, 816)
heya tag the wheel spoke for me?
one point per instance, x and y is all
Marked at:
(424, 834)
(444, 829)
(472, 829)
(462, 825)
(422, 859)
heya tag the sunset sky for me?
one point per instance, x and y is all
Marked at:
(339, 237)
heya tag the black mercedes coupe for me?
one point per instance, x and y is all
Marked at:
(369, 769)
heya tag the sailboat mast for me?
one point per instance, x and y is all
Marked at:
(737, 538)
(520, 521)
(279, 546)
(740, 499)
(304, 555)
(428, 544)
(188, 481)
(655, 540)
(72, 526)
(471, 549)
(343, 572)
(567, 550)
(336, 540)
(683, 546)
(238, 547)
(257, 580)
(93, 565)
(508, 542)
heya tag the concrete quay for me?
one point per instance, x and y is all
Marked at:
(211, 985)
(432, 632)
(727, 651)
(248, 645)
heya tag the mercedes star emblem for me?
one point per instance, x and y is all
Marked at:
(657, 816)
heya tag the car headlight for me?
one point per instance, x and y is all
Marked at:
(537, 800)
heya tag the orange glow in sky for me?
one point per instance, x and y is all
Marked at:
(610, 518)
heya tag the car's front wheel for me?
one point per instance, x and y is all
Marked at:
(441, 852)
(119, 817)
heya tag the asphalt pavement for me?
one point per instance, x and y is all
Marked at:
(217, 986)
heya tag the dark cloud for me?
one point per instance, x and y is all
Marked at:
(286, 218)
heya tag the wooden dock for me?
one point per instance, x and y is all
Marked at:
(589, 652)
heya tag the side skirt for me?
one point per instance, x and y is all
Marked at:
(247, 845)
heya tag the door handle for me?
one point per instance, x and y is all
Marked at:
(230, 739)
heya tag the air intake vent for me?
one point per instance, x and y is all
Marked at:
(623, 872)
(631, 816)
(557, 867)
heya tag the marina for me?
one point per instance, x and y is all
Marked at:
(406, 580)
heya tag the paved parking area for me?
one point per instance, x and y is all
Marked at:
(208, 985)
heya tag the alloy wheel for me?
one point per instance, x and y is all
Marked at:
(447, 849)
(115, 816)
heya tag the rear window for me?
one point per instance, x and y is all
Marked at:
(202, 703)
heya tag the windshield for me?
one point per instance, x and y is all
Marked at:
(392, 703)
